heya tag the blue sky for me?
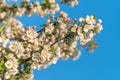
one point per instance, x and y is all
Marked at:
(104, 63)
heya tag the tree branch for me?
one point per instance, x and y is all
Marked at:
(61, 39)
(3, 77)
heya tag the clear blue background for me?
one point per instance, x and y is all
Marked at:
(104, 63)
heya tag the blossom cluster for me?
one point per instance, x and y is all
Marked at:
(47, 7)
(29, 9)
(57, 40)
(71, 2)
(11, 64)
(23, 50)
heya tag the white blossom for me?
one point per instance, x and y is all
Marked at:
(90, 19)
(24, 48)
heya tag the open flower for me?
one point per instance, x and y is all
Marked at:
(4, 41)
(49, 29)
(10, 73)
(9, 64)
(36, 57)
(17, 48)
(86, 28)
(13, 46)
(90, 19)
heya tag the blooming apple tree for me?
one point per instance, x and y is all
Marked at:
(23, 50)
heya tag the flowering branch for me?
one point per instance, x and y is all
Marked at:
(47, 7)
(24, 49)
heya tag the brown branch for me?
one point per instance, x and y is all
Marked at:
(61, 39)
(41, 30)
(51, 45)
(3, 77)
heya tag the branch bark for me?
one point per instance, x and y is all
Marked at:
(3, 77)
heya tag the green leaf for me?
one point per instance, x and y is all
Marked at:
(25, 4)
(25, 45)
(94, 16)
(52, 49)
(1, 28)
(95, 30)
(27, 68)
(2, 65)
(45, 4)
(6, 55)
(18, 7)
(44, 1)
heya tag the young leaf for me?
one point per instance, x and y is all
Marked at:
(1, 28)
(94, 16)
(44, 1)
